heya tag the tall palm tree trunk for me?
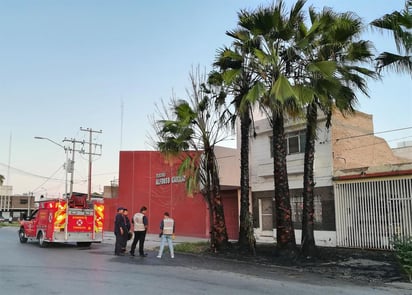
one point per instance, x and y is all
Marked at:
(219, 232)
(246, 234)
(285, 233)
(208, 197)
(308, 237)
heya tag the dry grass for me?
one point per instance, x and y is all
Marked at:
(198, 247)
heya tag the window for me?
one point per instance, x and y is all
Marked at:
(296, 201)
(23, 202)
(294, 141)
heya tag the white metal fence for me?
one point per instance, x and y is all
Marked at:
(371, 212)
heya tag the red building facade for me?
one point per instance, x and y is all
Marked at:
(146, 178)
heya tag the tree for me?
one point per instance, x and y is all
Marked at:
(328, 76)
(234, 72)
(276, 31)
(304, 68)
(192, 133)
(399, 23)
(1, 179)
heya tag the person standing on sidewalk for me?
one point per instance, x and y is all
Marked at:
(167, 227)
(128, 227)
(119, 231)
(140, 224)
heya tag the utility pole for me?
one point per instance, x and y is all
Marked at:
(66, 165)
(70, 164)
(70, 167)
(90, 143)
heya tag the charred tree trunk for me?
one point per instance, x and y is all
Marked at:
(219, 231)
(285, 233)
(246, 234)
(208, 198)
(308, 236)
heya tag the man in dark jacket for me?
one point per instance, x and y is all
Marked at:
(120, 231)
(128, 226)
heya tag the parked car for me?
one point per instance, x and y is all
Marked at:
(2, 219)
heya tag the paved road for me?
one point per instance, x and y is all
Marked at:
(67, 269)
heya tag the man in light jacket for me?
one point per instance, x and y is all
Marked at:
(167, 234)
(140, 224)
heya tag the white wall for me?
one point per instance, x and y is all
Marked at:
(261, 169)
(261, 164)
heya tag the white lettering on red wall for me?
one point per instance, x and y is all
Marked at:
(162, 179)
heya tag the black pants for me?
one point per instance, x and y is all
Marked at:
(139, 236)
(125, 239)
(119, 243)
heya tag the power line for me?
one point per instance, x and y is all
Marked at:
(374, 143)
(373, 133)
(47, 179)
(28, 173)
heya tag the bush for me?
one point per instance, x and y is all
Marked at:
(403, 248)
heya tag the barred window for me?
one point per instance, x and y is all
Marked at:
(297, 208)
(294, 142)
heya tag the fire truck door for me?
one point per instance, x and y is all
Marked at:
(32, 224)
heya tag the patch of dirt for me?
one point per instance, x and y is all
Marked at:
(342, 263)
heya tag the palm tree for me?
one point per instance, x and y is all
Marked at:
(399, 23)
(1, 179)
(192, 133)
(327, 78)
(276, 32)
(234, 72)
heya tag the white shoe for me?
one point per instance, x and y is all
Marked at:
(158, 256)
(172, 256)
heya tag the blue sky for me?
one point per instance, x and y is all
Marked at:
(105, 64)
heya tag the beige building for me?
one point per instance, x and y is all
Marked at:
(229, 167)
(355, 146)
(14, 205)
(347, 149)
(404, 150)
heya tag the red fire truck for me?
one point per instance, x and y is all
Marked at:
(71, 220)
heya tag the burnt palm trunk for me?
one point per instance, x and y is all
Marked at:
(208, 197)
(246, 236)
(219, 231)
(285, 234)
(308, 237)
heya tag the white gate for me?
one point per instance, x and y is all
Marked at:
(371, 212)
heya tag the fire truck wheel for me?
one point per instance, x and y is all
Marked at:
(83, 244)
(22, 236)
(40, 237)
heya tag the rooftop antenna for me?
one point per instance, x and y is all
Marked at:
(121, 123)
(8, 166)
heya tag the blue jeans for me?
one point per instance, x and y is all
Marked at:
(169, 240)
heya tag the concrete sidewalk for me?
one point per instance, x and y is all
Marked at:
(152, 240)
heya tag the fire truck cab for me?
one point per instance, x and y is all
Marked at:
(71, 220)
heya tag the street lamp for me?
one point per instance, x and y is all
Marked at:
(67, 166)
(45, 138)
